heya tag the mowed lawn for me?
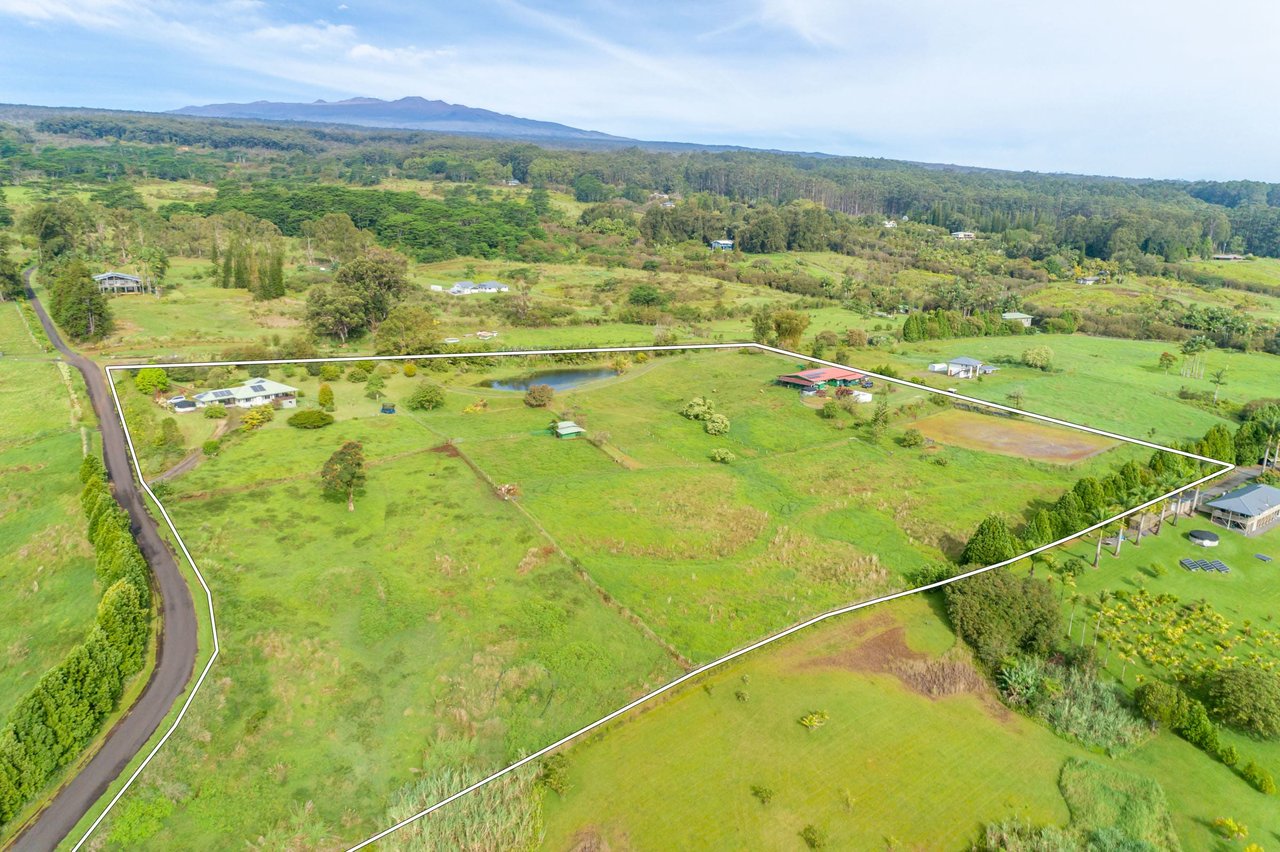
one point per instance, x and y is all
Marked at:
(46, 565)
(891, 766)
(1199, 789)
(432, 628)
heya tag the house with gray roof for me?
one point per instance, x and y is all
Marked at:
(1251, 510)
(1017, 316)
(252, 393)
(119, 282)
(965, 367)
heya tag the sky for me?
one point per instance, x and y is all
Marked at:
(1119, 87)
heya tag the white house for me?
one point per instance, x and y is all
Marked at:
(466, 288)
(889, 223)
(437, 288)
(252, 393)
(963, 235)
(119, 282)
(965, 367)
(1015, 316)
(722, 245)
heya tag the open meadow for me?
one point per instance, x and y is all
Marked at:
(446, 631)
(46, 565)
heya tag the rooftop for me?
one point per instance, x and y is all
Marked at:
(102, 276)
(1250, 501)
(249, 390)
(966, 361)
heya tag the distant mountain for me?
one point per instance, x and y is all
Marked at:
(408, 113)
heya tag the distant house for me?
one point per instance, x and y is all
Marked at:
(1014, 316)
(251, 394)
(722, 245)
(466, 288)
(437, 288)
(816, 380)
(118, 282)
(963, 235)
(568, 429)
(965, 367)
(889, 223)
(668, 204)
(511, 182)
(1250, 510)
(1228, 257)
(1087, 279)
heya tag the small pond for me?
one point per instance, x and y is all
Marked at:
(558, 379)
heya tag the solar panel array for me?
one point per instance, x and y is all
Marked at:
(1204, 565)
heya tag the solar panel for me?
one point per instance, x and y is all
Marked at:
(222, 394)
(257, 388)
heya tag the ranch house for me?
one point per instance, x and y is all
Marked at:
(1015, 316)
(722, 245)
(816, 380)
(963, 235)
(252, 393)
(119, 282)
(1251, 510)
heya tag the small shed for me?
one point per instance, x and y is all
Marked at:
(568, 429)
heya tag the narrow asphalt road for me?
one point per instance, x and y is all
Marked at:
(176, 653)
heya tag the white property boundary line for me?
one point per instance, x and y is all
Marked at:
(667, 687)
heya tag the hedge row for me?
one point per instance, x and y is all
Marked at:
(62, 714)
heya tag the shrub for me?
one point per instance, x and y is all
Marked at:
(355, 374)
(211, 447)
(1259, 778)
(257, 417)
(1229, 755)
(1246, 697)
(325, 397)
(554, 774)
(1230, 829)
(698, 408)
(1197, 729)
(722, 456)
(911, 438)
(814, 719)
(151, 380)
(330, 372)
(426, 397)
(764, 794)
(539, 396)
(1000, 615)
(813, 837)
(410, 369)
(830, 410)
(215, 411)
(1039, 358)
(311, 418)
(1161, 704)
(716, 424)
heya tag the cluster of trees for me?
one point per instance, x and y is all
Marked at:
(53, 723)
(76, 304)
(429, 229)
(362, 295)
(941, 325)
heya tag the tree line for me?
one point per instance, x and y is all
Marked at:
(60, 716)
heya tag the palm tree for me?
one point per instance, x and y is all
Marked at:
(1075, 602)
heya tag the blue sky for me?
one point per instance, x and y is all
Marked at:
(1126, 87)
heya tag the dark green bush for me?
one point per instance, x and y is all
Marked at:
(310, 418)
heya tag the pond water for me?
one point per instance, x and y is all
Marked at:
(558, 379)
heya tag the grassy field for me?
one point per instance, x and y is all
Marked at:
(616, 564)
(46, 565)
(887, 748)
(1105, 383)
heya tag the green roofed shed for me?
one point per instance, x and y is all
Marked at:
(569, 429)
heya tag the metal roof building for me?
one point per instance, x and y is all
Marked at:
(1251, 509)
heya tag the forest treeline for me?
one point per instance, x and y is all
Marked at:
(1099, 217)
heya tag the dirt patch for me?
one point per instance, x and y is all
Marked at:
(447, 449)
(883, 649)
(1005, 436)
(592, 839)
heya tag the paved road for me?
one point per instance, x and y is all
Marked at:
(177, 645)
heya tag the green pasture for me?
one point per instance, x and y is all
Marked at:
(46, 565)
(430, 628)
(890, 767)
(1101, 382)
